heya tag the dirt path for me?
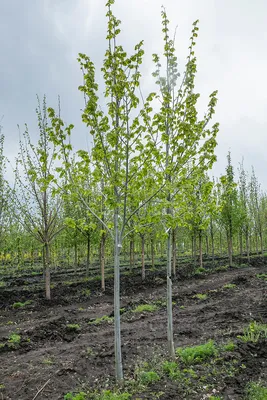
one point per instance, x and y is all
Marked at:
(48, 350)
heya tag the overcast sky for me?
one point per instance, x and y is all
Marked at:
(40, 41)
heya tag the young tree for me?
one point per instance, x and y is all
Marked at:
(186, 144)
(36, 208)
(4, 193)
(230, 216)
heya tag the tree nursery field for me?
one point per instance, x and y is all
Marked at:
(127, 271)
(64, 348)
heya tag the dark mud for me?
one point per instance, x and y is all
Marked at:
(49, 350)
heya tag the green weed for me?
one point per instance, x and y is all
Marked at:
(201, 296)
(78, 396)
(229, 286)
(256, 391)
(200, 271)
(230, 346)
(20, 304)
(109, 395)
(100, 320)
(221, 268)
(14, 340)
(254, 332)
(73, 327)
(86, 292)
(148, 377)
(197, 354)
(145, 308)
(172, 370)
(262, 276)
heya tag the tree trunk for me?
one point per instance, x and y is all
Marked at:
(200, 250)
(230, 250)
(261, 243)
(207, 245)
(241, 243)
(152, 253)
(220, 243)
(169, 296)
(195, 249)
(131, 253)
(117, 322)
(102, 258)
(75, 256)
(247, 246)
(143, 257)
(47, 271)
(88, 255)
(174, 252)
(212, 240)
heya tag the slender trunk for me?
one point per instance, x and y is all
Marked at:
(88, 255)
(200, 250)
(207, 245)
(220, 238)
(117, 322)
(247, 245)
(131, 253)
(47, 272)
(169, 296)
(256, 241)
(230, 250)
(212, 240)
(174, 252)
(143, 257)
(152, 253)
(102, 258)
(195, 249)
(261, 242)
(241, 243)
(75, 256)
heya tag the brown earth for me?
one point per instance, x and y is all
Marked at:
(51, 353)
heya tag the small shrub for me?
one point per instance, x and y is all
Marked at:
(14, 340)
(48, 361)
(172, 370)
(148, 377)
(254, 332)
(229, 286)
(73, 327)
(255, 391)
(197, 354)
(145, 308)
(201, 296)
(2, 284)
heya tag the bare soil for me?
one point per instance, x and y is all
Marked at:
(51, 353)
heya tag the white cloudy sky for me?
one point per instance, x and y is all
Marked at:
(40, 40)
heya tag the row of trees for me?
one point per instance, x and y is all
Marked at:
(146, 175)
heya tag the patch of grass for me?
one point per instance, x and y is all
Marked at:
(172, 370)
(254, 332)
(101, 320)
(21, 305)
(86, 292)
(145, 308)
(78, 396)
(229, 286)
(148, 377)
(262, 276)
(200, 271)
(221, 268)
(73, 327)
(230, 346)
(14, 340)
(256, 391)
(109, 395)
(197, 354)
(200, 296)
(47, 361)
